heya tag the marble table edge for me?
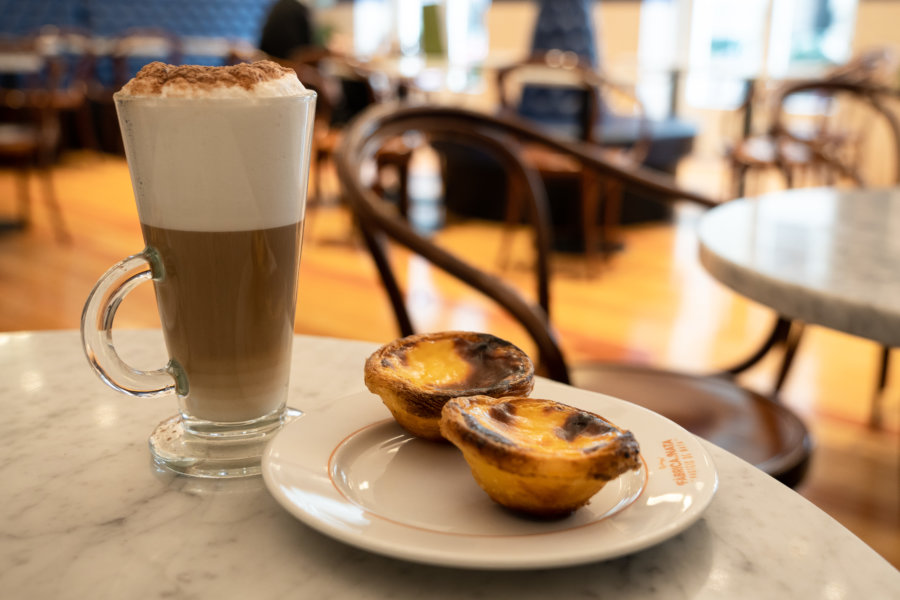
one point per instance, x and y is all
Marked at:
(784, 297)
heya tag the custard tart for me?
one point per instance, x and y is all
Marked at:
(534, 456)
(416, 375)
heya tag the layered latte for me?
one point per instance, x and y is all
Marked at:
(219, 173)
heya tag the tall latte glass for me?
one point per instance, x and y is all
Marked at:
(219, 159)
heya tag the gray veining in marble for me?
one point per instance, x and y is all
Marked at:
(825, 256)
(86, 515)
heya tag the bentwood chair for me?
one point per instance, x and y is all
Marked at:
(854, 141)
(755, 427)
(30, 128)
(71, 51)
(345, 87)
(325, 137)
(129, 51)
(560, 92)
(801, 118)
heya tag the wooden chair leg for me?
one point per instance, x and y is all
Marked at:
(86, 130)
(612, 213)
(789, 177)
(316, 201)
(875, 418)
(24, 195)
(790, 350)
(590, 199)
(742, 187)
(403, 200)
(317, 178)
(59, 225)
(738, 180)
(513, 218)
(779, 334)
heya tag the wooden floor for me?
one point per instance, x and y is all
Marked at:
(652, 304)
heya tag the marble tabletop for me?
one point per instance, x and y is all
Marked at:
(821, 255)
(86, 515)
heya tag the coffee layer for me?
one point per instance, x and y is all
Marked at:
(226, 303)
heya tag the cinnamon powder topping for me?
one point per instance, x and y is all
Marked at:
(157, 78)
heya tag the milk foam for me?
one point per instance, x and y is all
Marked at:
(284, 86)
(218, 154)
(262, 79)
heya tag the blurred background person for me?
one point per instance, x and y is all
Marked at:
(289, 26)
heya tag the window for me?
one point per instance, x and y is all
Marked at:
(718, 44)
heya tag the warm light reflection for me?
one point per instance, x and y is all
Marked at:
(834, 591)
(327, 510)
(701, 310)
(672, 498)
(7, 338)
(31, 381)
(105, 415)
(718, 579)
(793, 235)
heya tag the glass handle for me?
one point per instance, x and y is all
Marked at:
(96, 330)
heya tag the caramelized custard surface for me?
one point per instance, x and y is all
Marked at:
(436, 363)
(456, 364)
(415, 376)
(549, 428)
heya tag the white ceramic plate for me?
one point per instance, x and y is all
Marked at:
(349, 471)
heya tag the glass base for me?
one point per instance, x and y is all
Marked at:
(182, 451)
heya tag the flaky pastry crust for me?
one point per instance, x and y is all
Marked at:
(537, 456)
(416, 375)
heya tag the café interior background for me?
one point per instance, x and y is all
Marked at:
(711, 45)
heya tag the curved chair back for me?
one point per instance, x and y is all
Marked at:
(816, 131)
(552, 87)
(378, 219)
(856, 135)
(500, 136)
